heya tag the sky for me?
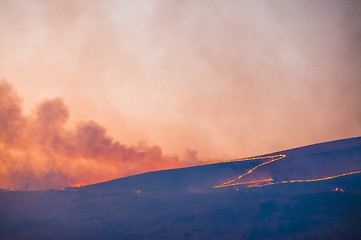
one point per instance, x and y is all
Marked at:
(96, 90)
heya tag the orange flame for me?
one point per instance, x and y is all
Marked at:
(260, 183)
(78, 185)
(231, 182)
(339, 190)
(309, 180)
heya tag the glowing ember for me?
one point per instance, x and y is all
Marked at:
(78, 185)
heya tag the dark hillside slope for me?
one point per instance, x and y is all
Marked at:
(309, 162)
(182, 203)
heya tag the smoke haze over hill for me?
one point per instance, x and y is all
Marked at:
(225, 79)
(229, 79)
(38, 152)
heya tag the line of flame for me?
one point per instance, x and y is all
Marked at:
(273, 159)
(305, 180)
(234, 184)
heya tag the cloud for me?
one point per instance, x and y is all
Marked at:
(39, 152)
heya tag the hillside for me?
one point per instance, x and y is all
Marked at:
(304, 163)
(312, 192)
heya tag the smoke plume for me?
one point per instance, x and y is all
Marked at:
(229, 78)
(39, 152)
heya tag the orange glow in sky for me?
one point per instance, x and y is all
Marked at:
(104, 89)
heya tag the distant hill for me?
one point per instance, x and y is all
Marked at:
(304, 163)
(311, 192)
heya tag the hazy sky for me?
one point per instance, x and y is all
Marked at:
(203, 80)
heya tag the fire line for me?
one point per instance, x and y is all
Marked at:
(268, 182)
(305, 180)
(272, 159)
